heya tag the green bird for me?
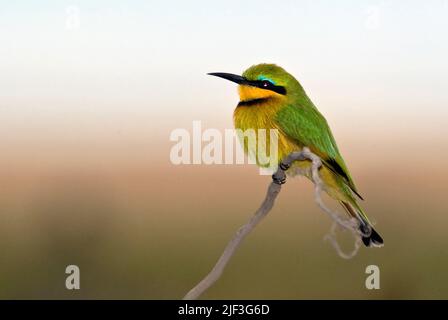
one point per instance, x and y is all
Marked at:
(271, 98)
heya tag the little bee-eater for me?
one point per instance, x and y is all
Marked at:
(271, 98)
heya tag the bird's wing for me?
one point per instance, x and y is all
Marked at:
(309, 128)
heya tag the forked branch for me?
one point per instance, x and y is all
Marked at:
(278, 178)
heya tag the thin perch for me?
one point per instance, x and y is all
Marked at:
(278, 178)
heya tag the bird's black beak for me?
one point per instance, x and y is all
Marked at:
(255, 83)
(231, 77)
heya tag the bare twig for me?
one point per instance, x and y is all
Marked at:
(217, 270)
(279, 177)
(351, 225)
(332, 238)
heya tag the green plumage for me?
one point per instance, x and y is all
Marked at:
(270, 98)
(306, 125)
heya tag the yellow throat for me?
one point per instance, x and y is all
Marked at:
(261, 115)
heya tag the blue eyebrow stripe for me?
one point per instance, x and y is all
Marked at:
(263, 78)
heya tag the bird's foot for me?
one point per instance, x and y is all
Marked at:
(280, 177)
(278, 180)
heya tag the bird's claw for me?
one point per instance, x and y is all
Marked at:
(284, 166)
(278, 180)
(280, 177)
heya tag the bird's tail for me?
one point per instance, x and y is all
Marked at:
(370, 237)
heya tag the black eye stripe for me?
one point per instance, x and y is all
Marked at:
(265, 84)
(279, 89)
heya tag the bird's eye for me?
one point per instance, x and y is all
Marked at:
(265, 83)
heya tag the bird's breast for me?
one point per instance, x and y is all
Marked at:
(263, 116)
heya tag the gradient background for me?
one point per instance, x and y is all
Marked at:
(87, 103)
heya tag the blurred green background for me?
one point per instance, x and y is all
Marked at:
(154, 232)
(87, 107)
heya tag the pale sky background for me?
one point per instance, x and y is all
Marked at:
(94, 74)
